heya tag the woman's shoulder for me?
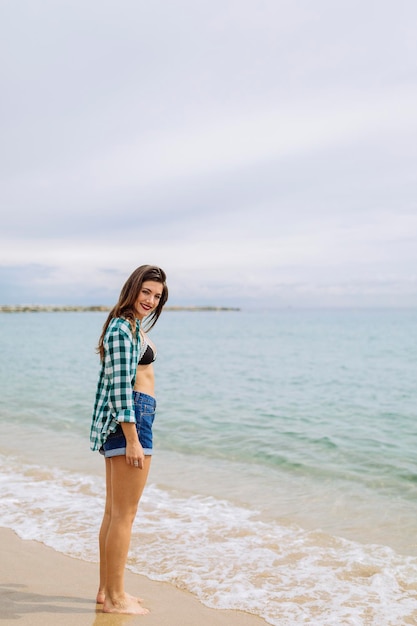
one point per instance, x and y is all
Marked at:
(119, 325)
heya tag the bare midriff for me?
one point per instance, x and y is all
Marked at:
(145, 380)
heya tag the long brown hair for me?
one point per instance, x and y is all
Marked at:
(125, 306)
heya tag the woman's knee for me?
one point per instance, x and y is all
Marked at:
(124, 515)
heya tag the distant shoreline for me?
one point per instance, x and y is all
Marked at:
(39, 308)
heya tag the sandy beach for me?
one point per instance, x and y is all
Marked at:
(39, 586)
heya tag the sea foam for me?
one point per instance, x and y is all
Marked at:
(228, 556)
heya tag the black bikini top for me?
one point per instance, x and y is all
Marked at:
(147, 352)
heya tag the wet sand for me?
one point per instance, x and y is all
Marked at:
(39, 586)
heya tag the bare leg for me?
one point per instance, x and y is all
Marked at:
(103, 535)
(126, 484)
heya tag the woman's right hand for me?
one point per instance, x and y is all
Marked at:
(134, 451)
(135, 455)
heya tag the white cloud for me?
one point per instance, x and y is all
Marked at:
(244, 146)
(221, 144)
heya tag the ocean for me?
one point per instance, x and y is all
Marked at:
(284, 478)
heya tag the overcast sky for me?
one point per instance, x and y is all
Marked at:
(263, 152)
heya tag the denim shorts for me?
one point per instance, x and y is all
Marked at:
(115, 444)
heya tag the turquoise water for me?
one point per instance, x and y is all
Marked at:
(284, 480)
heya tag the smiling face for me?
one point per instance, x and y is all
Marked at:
(148, 298)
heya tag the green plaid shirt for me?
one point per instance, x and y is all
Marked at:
(114, 397)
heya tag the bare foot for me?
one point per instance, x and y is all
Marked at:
(101, 597)
(127, 606)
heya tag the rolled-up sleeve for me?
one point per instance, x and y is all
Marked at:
(118, 371)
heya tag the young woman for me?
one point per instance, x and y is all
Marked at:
(122, 421)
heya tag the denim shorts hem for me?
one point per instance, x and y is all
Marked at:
(122, 451)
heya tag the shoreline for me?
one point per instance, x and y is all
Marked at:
(41, 587)
(69, 308)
